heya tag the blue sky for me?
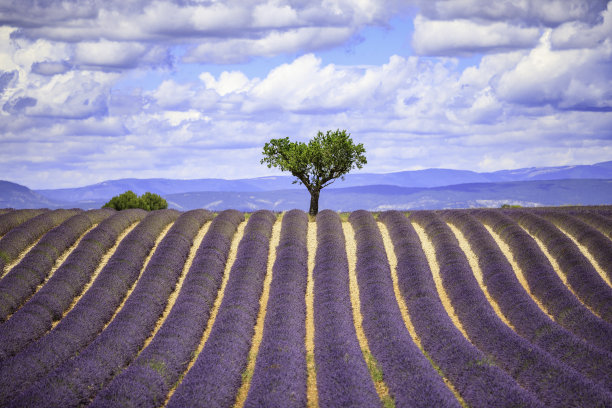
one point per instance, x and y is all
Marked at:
(96, 90)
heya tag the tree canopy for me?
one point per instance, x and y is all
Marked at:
(147, 201)
(318, 163)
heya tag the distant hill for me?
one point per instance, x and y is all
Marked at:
(422, 189)
(382, 197)
(13, 195)
(417, 178)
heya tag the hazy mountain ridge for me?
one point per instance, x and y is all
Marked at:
(421, 189)
(416, 178)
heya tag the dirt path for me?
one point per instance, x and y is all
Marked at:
(430, 253)
(391, 256)
(231, 258)
(177, 289)
(505, 248)
(101, 265)
(473, 261)
(312, 395)
(375, 372)
(261, 317)
(587, 255)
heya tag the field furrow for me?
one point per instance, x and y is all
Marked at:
(20, 240)
(461, 308)
(280, 375)
(553, 382)
(80, 378)
(373, 367)
(12, 219)
(523, 314)
(258, 331)
(216, 375)
(574, 269)
(593, 245)
(90, 315)
(411, 378)
(597, 221)
(35, 267)
(150, 377)
(391, 256)
(312, 393)
(341, 371)
(544, 283)
(478, 383)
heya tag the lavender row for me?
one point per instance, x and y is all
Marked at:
(147, 381)
(80, 378)
(553, 382)
(12, 219)
(47, 305)
(410, 377)
(522, 312)
(279, 378)
(581, 276)
(598, 221)
(21, 282)
(544, 283)
(342, 375)
(215, 377)
(95, 308)
(598, 245)
(480, 383)
(19, 238)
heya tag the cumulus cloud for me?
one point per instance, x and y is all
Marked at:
(531, 12)
(460, 37)
(540, 94)
(569, 79)
(460, 27)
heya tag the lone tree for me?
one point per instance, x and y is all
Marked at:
(318, 163)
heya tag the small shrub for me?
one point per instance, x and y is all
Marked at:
(129, 199)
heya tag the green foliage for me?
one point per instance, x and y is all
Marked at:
(152, 202)
(129, 199)
(318, 163)
(510, 206)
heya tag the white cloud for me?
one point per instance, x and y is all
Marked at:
(228, 82)
(577, 34)
(533, 12)
(109, 53)
(460, 37)
(574, 78)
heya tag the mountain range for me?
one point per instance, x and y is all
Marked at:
(419, 189)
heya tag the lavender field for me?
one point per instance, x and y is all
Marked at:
(453, 308)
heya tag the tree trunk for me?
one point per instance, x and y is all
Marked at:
(314, 202)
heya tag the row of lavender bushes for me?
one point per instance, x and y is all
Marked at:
(88, 317)
(279, 377)
(80, 378)
(468, 369)
(24, 278)
(149, 379)
(410, 377)
(553, 382)
(527, 319)
(12, 218)
(580, 273)
(49, 303)
(343, 379)
(544, 283)
(216, 375)
(596, 243)
(26, 233)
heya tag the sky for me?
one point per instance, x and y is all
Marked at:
(93, 90)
